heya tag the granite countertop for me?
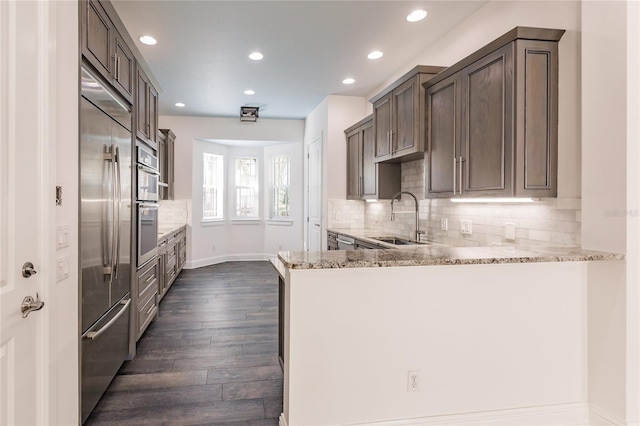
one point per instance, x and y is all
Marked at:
(165, 229)
(434, 254)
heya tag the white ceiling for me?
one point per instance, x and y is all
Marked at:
(309, 47)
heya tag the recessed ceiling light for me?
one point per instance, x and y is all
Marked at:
(376, 54)
(180, 105)
(348, 81)
(148, 40)
(249, 92)
(256, 56)
(417, 15)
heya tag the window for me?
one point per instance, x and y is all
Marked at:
(246, 188)
(212, 186)
(280, 168)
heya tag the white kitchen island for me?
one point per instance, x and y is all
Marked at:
(498, 335)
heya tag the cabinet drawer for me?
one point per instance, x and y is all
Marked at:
(146, 313)
(148, 279)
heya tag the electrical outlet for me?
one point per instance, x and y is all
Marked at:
(279, 246)
(465, 227)
(413, 381)
(444, 224)
(510, 231)
(214, 248)
(338, 216)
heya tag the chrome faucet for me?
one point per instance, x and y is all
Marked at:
(397, 196)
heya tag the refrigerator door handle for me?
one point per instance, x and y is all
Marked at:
(117, 178)
(92, 335)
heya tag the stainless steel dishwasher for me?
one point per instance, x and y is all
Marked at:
(346, 243)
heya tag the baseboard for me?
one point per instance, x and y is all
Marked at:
(600, 416)
(199, 263)
(560, 414)
(282, 421)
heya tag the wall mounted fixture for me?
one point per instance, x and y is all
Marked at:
(493, 200)
(249, 113)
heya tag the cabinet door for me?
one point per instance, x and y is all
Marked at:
(353, 165)
(123, 71)
(537, 118)
(404, 126)
(382, 126)
(142, 105)
(171, 150)
(369, 168)
(97, 37)
(487, 124)
(162, 165)
(443, 122)
(153, 114)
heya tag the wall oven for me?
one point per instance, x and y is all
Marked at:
(148, 175)
(147, 231)
(147, 205)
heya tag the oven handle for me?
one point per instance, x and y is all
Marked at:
(148, 170)
(149, 205)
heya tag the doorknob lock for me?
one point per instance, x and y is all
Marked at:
(29, 305)
(27, 270)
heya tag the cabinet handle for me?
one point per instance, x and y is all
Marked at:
(360, 185)
(461, 160)
(393, 147)
(455, 162)
(117, 67)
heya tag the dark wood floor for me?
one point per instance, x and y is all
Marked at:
(209, 359)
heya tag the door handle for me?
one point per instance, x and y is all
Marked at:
(29, 305)
(27, 270)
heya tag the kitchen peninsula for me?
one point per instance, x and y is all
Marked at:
(491, 333)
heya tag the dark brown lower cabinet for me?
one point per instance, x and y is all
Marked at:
(172, 254)
(281, 321)
(146, 293)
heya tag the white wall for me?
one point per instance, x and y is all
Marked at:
(62, 302)
(483, 337)
(232, 241)
(498, 17)
(611, 202)
(330, 119)
(189, 129)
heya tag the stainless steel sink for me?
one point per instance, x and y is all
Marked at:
(396, 241)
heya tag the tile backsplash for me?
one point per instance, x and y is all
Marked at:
(172, 212)
(548, 221)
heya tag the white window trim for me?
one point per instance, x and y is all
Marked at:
(207, 220)
(234, 206)
(271, 185)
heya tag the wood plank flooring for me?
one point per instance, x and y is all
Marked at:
(211, 357)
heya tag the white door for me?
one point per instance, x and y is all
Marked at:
(314, 194)
(24, 223)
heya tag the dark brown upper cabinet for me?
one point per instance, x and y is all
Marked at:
(166, 154)
(398, 113)
(105, 49)
(492, 120)
(366, 179)
(146, 106)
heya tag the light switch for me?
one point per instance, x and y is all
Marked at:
(62, 236)
(62, 268)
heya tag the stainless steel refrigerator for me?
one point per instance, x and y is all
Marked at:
(105, 236)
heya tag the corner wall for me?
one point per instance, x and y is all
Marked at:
(232, 241)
